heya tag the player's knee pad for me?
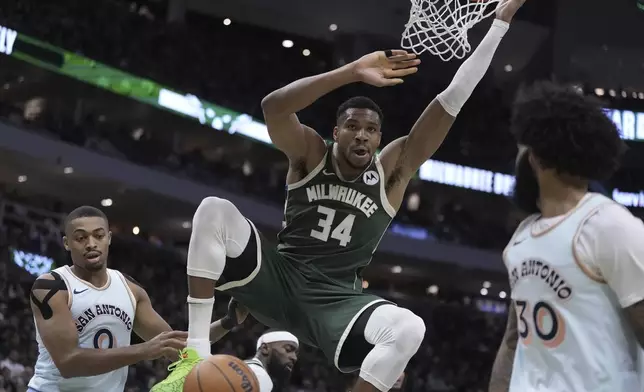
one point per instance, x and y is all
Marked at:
(396, 334)
(218, 230)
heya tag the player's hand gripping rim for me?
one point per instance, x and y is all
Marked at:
(385, 67)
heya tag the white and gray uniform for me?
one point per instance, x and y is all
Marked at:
(571, 277)
(104, 317)
(265, 381)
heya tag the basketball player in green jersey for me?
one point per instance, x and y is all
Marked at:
(341, 198)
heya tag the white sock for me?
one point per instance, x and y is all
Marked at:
(199, 319)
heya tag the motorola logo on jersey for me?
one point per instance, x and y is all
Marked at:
(545, 272)
(370, 177)
(102, 310)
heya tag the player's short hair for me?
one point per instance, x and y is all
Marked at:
(84, 212)
(358, 103)
(567, 131)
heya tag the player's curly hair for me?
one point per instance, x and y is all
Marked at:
(567, 131)
(358, 102)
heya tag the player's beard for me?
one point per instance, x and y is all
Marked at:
(525, 194)
(280, 374)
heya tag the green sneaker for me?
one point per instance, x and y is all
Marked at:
(178, 372)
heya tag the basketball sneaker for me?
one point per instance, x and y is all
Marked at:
(178, 372)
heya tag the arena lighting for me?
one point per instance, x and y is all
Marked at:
(227, 22)
(502, 295)
(186, 225)
(22, 178)
(287, 43)
(508, 68)
(106, 202)
(487, 285)
(396, 269)
(599, 92)
(433, 289)
(333, 27)
(136, 230)
(365, 284)
(306, 53)
(483, 291)
(68, 170)
(7, 40)
(630, 123)
(612, 92)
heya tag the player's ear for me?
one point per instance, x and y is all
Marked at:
(335, 133)
(66, 243)
(263, 349)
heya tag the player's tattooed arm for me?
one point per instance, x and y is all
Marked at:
(635, 315)
(502, 368)
(58, 330)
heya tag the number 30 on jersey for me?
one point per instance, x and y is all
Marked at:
(341, 232)
(542, 320)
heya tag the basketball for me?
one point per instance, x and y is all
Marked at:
(221, 373)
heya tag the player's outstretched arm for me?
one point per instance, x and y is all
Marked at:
(280, 106)
(502, 368)
(56, 326)
(404, 156)
(236, 315)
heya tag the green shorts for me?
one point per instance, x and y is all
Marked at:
(282, 293)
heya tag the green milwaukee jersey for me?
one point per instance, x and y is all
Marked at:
(333, 224)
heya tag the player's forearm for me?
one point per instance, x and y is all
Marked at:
(303, 92)
(502, 368)
(472, 70)
(217, 331)
(84, 362)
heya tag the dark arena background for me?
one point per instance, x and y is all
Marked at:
(143, 108)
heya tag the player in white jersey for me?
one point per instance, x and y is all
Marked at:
(274, 361)
(85, 315)
(576, 265)
(276, 350)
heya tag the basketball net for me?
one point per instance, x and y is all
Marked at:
(440, 26)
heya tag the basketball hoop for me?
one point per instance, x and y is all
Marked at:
(440, 26)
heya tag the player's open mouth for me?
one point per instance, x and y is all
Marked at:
(92, 256)
(361, 151)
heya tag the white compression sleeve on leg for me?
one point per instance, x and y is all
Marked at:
(472, 70)
(396, 334)
(218, 230)
(199, 318)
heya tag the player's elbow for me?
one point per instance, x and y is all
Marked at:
(271, 104)
(65, 369)
(66, 366)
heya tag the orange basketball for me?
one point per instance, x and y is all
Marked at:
(221, 373)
